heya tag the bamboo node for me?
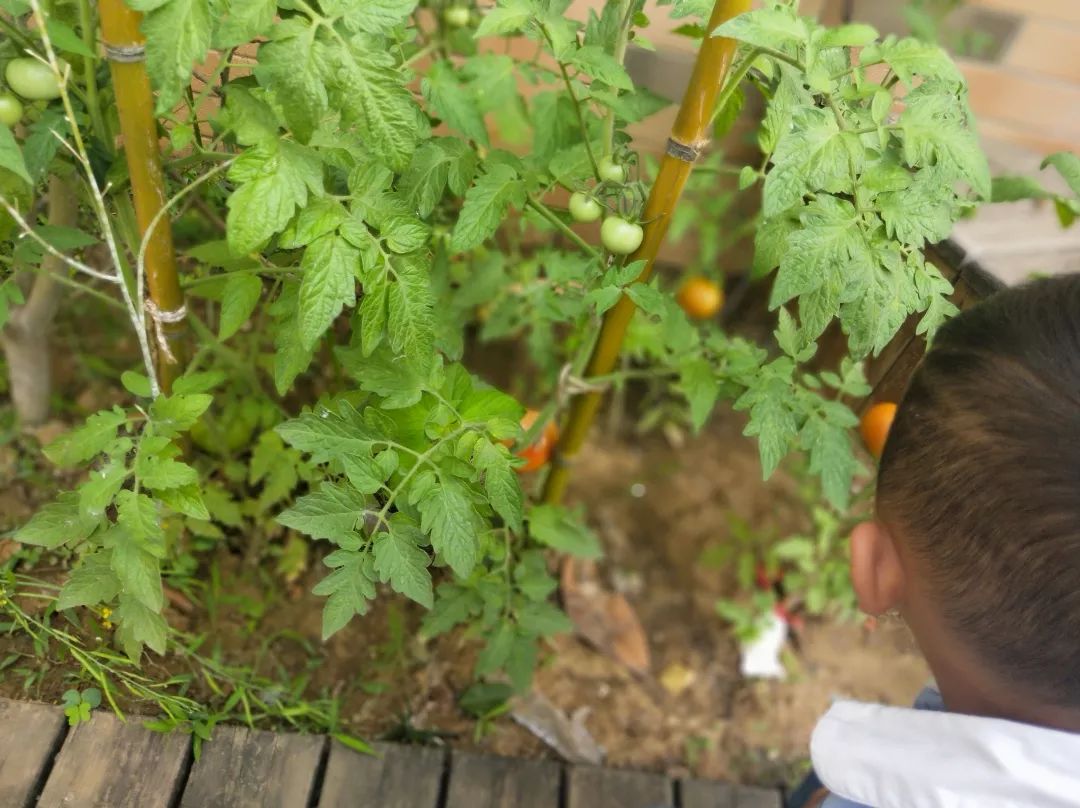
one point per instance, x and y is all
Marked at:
(161, 318)
(125, 54)
(684, 151)
(571, 385)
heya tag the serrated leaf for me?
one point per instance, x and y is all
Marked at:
(59, 522)
(327, 434)
(449, 518)
(831, 458)
(828, 239)
(399, 384)
(508, 17)
(291, 66)
(400, 561)
(543, 620)
(774, 28)
(96, 494)
(187, 499)
(923, 212)
(410, 311)
(244, 20)
(178, 412)
(91, 583)
(496, 651)
(371, 93)
(556, 527)
(432, 167)
(11, 156)
(372, 16)
(486, 204)
(139, 517)
(699, 384)
(912, 57)
(813, 156)
(138, 573)
(454, 101)
(238, 300)
(1068, 166)
(177, 37)
(87, 441)
(349, 587)
(160, 473)
(332, 512)
(501, 483)
(330, 266)
(937, 133)
(138, 626)
(594, 61)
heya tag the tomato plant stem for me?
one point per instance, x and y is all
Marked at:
(690, 129)
(135, 108)
(550, 217)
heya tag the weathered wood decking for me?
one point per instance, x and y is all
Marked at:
(110, 764)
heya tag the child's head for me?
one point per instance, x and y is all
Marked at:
(977, 538)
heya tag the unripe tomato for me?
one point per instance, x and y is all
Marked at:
(536, 455)
(875, 425)
(610, 170)
(11, 110)
(31, 79)
(620, 236)
(700, 298)
(456, 16)
(584, 208)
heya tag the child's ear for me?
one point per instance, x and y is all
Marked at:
(876, 570)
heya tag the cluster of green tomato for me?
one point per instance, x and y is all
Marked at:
(618, 235)
(29, 79)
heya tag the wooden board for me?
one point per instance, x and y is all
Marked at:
(31, 735)
(400, 777)
(707, 794)
(242, 767)
(111, 764)
(491, 782)
(594, 787)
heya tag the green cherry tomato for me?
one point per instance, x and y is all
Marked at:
(610, 170)
(31, 79)
(456, 16)
(620, 236)
(11, 110)
(584, 208)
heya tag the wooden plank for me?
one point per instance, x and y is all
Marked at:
(400, 777)
(241, 767)
(706, 794)
(108, 763)
(31, 735)
(490, 782)
(594, 787)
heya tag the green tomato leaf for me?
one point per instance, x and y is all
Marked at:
(449, 518)
(59, 522)
(332, 512)
(238, 300)
(91, 583)
(486, 204)
(400, 561)
(11, 156)
(87, 441)
(562, 530)
(330, 266)
(177, 37)
(137, 626)
(349, 588)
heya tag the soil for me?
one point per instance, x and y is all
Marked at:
(658, 509)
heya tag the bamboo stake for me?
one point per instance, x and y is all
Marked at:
(688, 135)
(124, 47)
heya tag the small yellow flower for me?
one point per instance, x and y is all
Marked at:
(106, 613)
(106, 624)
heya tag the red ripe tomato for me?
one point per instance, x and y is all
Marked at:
(537, 454)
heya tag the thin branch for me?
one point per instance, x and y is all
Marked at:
(29, 232)
(560, 225)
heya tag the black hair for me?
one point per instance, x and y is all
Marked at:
(980, 476)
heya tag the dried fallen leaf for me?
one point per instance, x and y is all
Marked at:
(603, 618)
(567, 735)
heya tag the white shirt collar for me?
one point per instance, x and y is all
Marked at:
(889, 757)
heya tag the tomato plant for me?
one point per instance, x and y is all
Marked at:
(31, 79)
(11, 110)
(348, 184)
(584, 208)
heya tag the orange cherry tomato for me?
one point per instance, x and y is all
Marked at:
(537, 454)
(700, 297)
(875, 425)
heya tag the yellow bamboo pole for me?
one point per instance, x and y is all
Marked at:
(688, 135)
(124, 47)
